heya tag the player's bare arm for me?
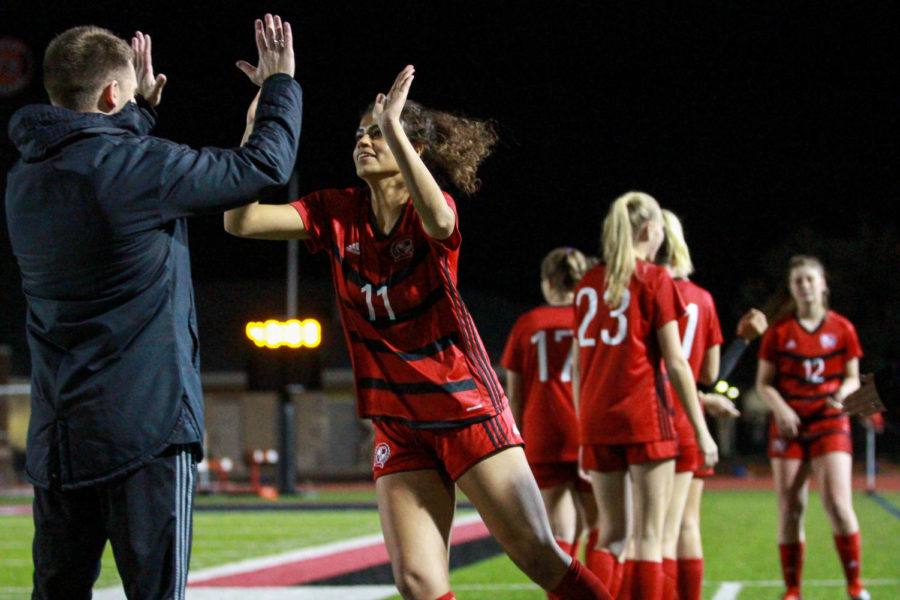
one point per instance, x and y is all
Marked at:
(438, 219)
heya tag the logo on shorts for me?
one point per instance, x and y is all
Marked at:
(828, 340)
(779, 445)
(382, 453)
(402, 249)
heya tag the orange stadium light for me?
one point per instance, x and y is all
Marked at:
(291, 334)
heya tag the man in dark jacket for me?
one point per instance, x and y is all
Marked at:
(96, 211)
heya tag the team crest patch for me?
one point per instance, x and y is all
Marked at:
(382, 453)
(402, 249)
(828, 340)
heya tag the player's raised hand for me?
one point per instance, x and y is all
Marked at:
(275, 44)
(148, 85)
(389, 106)
(752, 325)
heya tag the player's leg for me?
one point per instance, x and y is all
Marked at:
(613, 518)
(506, 495)
(690, 545)
(652, 488)
(68, 542)
(587, 510)
(148, 516)
(562, 512)
(832, 471)
(681, 486)
(791, 477)
(416, 510)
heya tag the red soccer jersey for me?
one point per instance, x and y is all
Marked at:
(810, 365)
(623, 397)
(415, 352)
(539, 348)
(699, 330)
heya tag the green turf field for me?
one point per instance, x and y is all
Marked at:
(738, 527)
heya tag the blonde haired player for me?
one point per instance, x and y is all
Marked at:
(627, 313)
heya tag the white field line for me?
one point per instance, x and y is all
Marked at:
(728, 591)
(254, 564)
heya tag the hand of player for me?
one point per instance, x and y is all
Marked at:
(709, 449)
(389, 107)
(865, 401)
(752, 325)
(786, 422)
(148, 85)
(718, 405)
(275, 44)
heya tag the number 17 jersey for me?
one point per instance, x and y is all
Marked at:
(622, 396)
(416, 355)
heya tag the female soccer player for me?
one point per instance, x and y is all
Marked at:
(808, 364)
(701, 338)
(538, 363)
(422, 373)
(626, 325)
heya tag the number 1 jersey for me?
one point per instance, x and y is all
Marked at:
(416, 354)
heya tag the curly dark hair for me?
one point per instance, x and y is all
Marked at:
(453, 146)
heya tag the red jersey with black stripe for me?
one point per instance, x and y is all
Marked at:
(539, 349)
(700, 330)
(810, 365)
(622, 396)
(416, 355)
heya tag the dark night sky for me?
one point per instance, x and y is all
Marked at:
(749, 122)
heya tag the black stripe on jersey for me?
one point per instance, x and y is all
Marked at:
(430, 424)
(808, 398)
(816, 418)
(665, 412)
(423, 387)
(471, 339)
(426, 351)
(434, 296)
(801, 357)
(354, 276)
(805, 380)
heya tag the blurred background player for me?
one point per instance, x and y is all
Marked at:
(538, 363)
(808, 363)
(422, 373)
(626, 326)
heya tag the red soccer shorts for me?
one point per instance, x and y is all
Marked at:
(606, 458)
(689, 456)
(814, 439)
(400, 447)
(553, 474)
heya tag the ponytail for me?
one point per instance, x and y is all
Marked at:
(626, 216)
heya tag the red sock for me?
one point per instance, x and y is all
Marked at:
(647, 583)
(580, 584)
(602, 563)
(690, 578)
(792, 565)
(448, 596)
(848, 547)
(624, 591)
(670, 578)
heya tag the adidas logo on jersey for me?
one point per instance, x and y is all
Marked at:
(352, 248)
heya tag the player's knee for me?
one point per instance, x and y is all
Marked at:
(413, 583)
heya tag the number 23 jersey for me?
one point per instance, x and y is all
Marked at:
(416, 354)
(622, 396)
